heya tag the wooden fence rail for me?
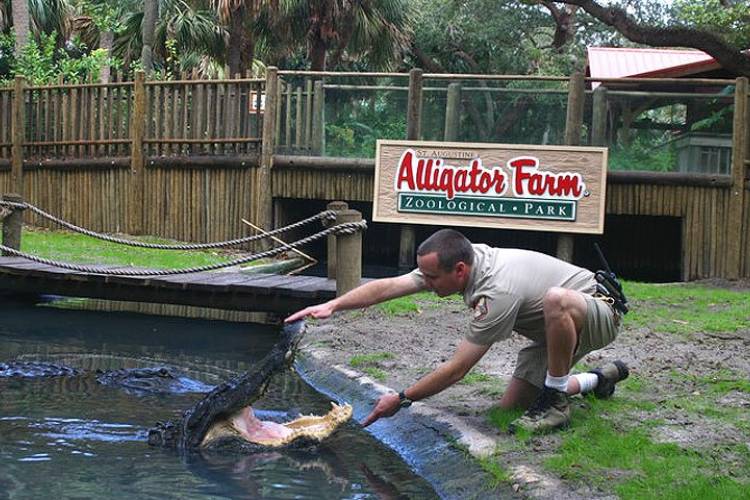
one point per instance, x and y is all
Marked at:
(188, 159)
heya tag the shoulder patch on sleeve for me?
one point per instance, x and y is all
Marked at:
(480, 308)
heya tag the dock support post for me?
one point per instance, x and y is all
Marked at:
(336, 206)
(13, 223)
(348, 254)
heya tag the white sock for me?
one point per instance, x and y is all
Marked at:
(557, 383)
(587, 381)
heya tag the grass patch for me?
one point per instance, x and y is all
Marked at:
(487, 384)
(368, 363)
(593, 450)
(686, 309)
(490, 464)
(501, 418)
(401, 306)
(72, 247)
(414, 304)
(474, 378)
(375, 373)
(360, 360)
(498, 474)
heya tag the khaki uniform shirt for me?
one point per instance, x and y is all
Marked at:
(506, 289)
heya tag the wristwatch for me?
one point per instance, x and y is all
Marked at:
(403, 401)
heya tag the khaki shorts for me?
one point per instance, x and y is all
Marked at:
(600, 328)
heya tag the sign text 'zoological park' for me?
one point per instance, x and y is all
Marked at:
(509, 186)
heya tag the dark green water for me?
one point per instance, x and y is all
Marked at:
(74, 438)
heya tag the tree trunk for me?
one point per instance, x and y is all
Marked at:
(106, 39)
(150, 15)
(318, 55)
(21, 23)
(236, 39)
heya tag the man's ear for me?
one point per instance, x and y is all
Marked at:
(461, 268)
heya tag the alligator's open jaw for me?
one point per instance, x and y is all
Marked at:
(245, 425)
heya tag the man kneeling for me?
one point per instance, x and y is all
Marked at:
(549, 301)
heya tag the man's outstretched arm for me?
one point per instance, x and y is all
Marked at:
(370, 293)
(466, 356)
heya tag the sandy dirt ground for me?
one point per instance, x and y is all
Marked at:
(420, 341)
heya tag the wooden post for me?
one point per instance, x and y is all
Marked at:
(13, 223)
(318, 117)
(414, 106)
(740, 152)
(298, 118)
(18, 128)
(452, 112)
(413, 132)
(137, 171)
(599, 117)
(573, 126)
(348, 254)
(264, 196)
(337, 206)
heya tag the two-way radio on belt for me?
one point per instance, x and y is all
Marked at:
(608, 285)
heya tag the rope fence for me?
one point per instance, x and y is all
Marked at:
(326, 215)
(346, 228)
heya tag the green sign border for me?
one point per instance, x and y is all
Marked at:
(513, 201)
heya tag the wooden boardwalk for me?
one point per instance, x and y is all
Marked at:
(221, 290)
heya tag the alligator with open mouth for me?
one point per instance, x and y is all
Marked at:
(224, 417)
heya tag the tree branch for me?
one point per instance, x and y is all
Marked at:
(425, 61)
(564, 20)
(677, 36)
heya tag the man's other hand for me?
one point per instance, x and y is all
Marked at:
(321, 311)
(387, 406)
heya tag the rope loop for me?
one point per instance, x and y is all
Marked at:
(346, 228)
(325, 215)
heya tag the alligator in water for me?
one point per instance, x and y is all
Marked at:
(224, 416)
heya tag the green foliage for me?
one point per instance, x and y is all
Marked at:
(729, 21)
(642, 154)
(105, 15)
(359, 123)
(43, 63)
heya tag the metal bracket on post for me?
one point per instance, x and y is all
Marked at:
(348, 254)
(336, 206)
(13, 223)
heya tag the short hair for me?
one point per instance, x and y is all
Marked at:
(451, 247)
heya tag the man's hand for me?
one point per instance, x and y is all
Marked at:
(321, 311)
(387, 406)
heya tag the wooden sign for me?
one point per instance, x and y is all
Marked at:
(508, 186)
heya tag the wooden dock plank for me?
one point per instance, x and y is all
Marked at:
(231, 290)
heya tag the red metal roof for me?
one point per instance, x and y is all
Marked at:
(609, 62)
